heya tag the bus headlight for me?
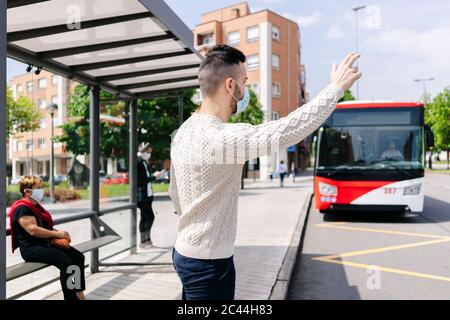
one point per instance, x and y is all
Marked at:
(327, 189)
(412, 190)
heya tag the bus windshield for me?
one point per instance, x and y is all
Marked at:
(371, 139)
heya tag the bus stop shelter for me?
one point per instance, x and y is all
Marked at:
(134, 49)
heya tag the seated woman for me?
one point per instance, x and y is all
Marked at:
(32, 231)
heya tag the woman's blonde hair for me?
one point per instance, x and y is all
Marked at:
(28, 182)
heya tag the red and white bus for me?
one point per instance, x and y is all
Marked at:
(370, 157)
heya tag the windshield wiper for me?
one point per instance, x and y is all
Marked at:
(388, 162)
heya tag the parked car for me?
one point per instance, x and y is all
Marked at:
(120, 178)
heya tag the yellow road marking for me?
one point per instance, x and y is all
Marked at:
(412, 234)
(385, 269)
(332, 258)
(383, 249)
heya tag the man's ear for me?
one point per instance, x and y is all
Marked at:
(229, 84)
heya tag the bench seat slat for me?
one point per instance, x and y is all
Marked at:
(24, 268)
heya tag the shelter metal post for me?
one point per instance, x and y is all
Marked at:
(94, 133)
(133, 172)
(3, 148)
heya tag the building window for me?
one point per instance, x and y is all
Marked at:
(233, 38)
(205, 39)
(55, 99)
(255, 88)
(41, 143)
(40, 167)
(19, 88)
(30, 86)
(276, 61)
(276, 89)
(275, 115)
(42, 104)
(42, 123)
(252, 34)
(55, 80)
(55, 121)
(253, 62)
(42, 83)
(30, 145)
(275, 33)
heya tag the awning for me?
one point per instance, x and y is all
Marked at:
(132, 48)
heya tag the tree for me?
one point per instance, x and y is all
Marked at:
(348, 96)
(113, 136)
(437, 115)
(21, 114)
(253, 114)
(157, 119)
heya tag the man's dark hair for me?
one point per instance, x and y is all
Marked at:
(220, 62)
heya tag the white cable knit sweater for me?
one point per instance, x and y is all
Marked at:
(207, 159)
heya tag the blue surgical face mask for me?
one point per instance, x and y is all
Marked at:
(244, 102)
(37, 194)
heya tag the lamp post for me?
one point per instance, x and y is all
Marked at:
(52, 108)
(356, 9)
(424, 80)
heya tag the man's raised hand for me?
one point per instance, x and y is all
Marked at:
(345, 75)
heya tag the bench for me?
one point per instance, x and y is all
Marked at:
(104, 236)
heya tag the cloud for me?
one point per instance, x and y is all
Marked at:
(305, 21)
(335, 32)
(425, 47)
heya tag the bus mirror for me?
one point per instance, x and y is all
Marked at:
(429, 135)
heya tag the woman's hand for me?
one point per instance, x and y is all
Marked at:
(345, 75)
(63, 235)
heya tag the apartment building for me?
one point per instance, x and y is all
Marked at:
(272, 45)
(29, 153)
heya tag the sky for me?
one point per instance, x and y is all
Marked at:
(399, 41)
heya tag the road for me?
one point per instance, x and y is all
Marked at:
(371, 256)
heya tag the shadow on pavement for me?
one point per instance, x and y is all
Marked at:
(317, 280)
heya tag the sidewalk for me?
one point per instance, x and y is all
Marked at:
(267, 219)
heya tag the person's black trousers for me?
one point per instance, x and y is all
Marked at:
(147, 218)
(204, 279)
(67, 261)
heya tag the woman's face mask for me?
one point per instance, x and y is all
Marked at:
(243, 103)
(146, 155)
(37, 194)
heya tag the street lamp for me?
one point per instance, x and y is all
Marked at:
(356, 9)
(424, 80)
(52, 108)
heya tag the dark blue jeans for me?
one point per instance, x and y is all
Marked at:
(205, 279)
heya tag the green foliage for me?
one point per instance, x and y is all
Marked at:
(21, 114)
(348, 96)
(437, 115)
(157, 119)
(253, 114)
(75, 133)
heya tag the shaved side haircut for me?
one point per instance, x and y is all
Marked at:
(220, 62)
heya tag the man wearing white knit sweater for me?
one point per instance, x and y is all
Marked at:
(207, 158)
